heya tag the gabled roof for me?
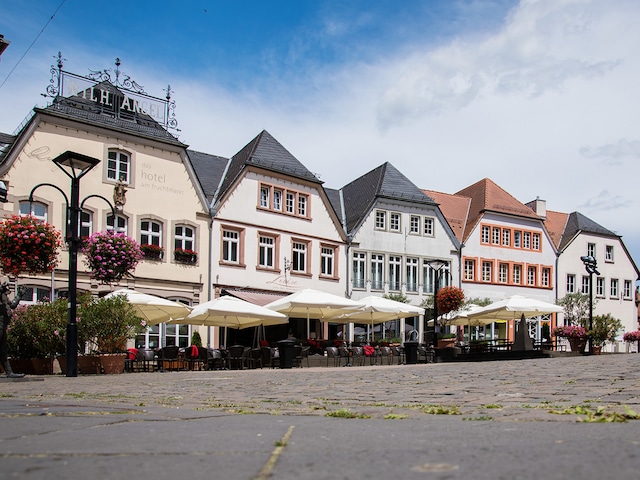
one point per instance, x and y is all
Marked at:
(577, 223)
(455, 209)
(267, 153)
(555, 224)
(487, 196)
(209, 170)
(334, 199)
(382, 182)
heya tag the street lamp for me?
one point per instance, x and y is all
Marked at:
(591, 266)
(75, 166)
(3, 44)
(436, 265)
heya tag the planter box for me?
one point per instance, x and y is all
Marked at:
(32, 366)
(113, 363)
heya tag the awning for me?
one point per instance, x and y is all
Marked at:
(257, 298)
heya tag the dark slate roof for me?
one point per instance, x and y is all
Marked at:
(576, 223)
(382, 182)
(77, 108)
(209, 170)
(266, 152)
(6, 142)
(334, 199)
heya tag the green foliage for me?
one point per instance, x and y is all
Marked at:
(38, 331)
(481, 302)
(196, 339)
(397, 297)
(576, 308)
(344, 413)
(605, 329)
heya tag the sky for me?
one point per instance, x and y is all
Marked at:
(537, 95)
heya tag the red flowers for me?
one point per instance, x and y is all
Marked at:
(449, 299)
(28, 245)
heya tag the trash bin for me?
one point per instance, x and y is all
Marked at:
(411, 352)
(285, 349)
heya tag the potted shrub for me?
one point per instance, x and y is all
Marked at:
(575, 334)
(152, 252)
(110, 256)
(184, 255)
(605, 329)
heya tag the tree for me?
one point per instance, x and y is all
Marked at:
(605, 329)
(576, 308)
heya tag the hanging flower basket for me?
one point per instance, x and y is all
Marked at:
(28, 245)
(110, 256)
(183, 255)
(152, 252)
(449, 299)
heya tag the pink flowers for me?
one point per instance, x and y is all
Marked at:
(570, 331)
(632, 336)
(110, 256)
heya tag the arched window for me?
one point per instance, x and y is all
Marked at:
(118, 166)
(150, 233)
(184, 237)
(35, 209)
(120, 224)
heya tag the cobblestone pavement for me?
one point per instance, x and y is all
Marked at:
(549, 389)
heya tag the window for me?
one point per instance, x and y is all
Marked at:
(177, 335)
(359, 266)
(614, 288)
(506, 237)
(327, 259)
(377, 271)
(517, 274)
(531, 276)
(526, 240)
(120, 224)
(299, 257)
(626, 289)
(600, 287)
(503, 273)
(184, 237)
(264, 197)
(118, 166)
(230, 246)
(381, 219)
(35, 209)
(86, 224)
(608, 253)
(571, 283)
(495, 237)
(266, 252)
(591, 250)
(486, 271)
(412, 274)
(414, 224)
(546, 277)
(395, 266)
(150, 233)
(277, 199)
(428, 226)
(517, 239)
(470, 270)
(536, 241)
(585, 285)
(394, 222)
(302, 205)
(486, 231)
(290, 202)
(35, 294)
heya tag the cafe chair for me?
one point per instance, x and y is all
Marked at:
(235, 358)
(332, 352)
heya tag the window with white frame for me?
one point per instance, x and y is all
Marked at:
(150, 233)
(585, 285)
(495, 235)
(394, 222)
(359, 269)
(34, 294)
(546, 277)
(119, 224)
(184, 237)
(536, 241)
(626, 289)
(487, 271)
(35, 209)
(411, 269)
(600, 287)
(377, 271)
(264, 196)
(118, 166)
(571, 283)
(531, 276)
(503, 273)
(86, 224)
(302, 205)
(230, 246)
(266, 256)
(470, 270)
(395, 275)
(277, 199)
(506, 237)
(381, 220)
(517, 274)
(428, 226)
(290, 202)
(614, 288)
(327, 259)
(517, 239)
(177, 335)
(299, 257)
(591, 250)
(414, 224)
(608, 253)
(486, 233)
(526, 240)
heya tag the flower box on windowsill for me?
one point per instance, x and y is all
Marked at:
(152, 252)
(185, 256)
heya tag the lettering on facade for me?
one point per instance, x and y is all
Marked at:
(283, 281)
(40, 153)
(156, 181)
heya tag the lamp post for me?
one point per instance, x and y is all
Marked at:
(75, 166)
(591, 266)
(3, 44)
(436, 265)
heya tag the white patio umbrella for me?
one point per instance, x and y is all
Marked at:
(152, 308)
(461, 317)
(378, 310)
(311, 303)
(231, 312)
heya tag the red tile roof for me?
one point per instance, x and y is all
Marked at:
(555, 224)
(455, 209)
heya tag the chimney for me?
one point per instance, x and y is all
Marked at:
(539, 206)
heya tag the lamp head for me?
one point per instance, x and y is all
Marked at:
(437, 264)
(75, 165)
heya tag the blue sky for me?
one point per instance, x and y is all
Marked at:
(537, 95)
